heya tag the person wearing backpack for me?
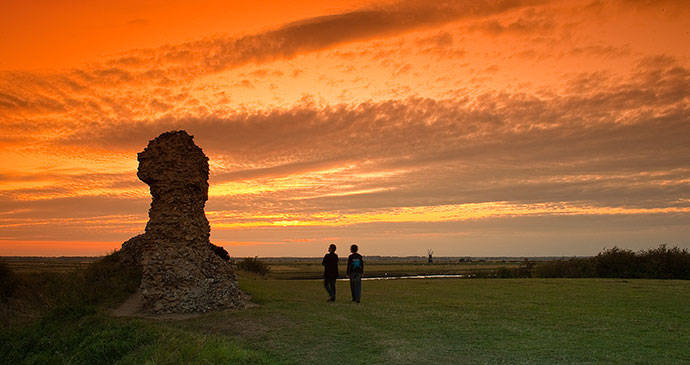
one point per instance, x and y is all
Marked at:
(355, 269)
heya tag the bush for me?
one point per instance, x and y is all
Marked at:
(523, 271)
(8, 288)
(658, 263)
(8, 282)
(664, 263)
(220, 252)
(108, 281)
(253, 265)
(618, 263)
(575, 267)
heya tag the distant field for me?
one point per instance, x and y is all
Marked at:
(296, 268)
(24, 265)
(383, 266)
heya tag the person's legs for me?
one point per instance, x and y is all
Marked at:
(333, 289)
(329, 287)
(352, 287)
(357, 291)
(329, 284)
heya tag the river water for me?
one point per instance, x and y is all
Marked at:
(440, 276)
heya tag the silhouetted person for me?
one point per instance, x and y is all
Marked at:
(330, 272)
(355, 269)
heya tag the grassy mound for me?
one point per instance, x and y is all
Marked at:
(27, 297)
(82, 335)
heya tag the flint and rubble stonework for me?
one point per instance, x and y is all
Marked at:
(180, 271)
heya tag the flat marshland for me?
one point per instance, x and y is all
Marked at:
(399, 321)
(310, 268)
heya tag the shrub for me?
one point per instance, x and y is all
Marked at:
(618, 263)
(253, 265)
(576, 267)
(220, 252)
(658, 263)
(8, 282)
(109, 281)
(505, 273)
(523, 271)
(8, 287)
(664, 263)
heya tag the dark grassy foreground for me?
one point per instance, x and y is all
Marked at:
(398, 321)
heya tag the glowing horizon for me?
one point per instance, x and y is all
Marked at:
(476, 128)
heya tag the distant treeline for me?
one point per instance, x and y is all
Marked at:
(658, 263)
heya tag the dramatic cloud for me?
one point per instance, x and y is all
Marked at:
(215, 55)
(618, 149)
(498, 124)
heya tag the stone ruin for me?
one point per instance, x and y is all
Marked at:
(182, 272)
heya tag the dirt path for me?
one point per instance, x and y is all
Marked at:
(130, 307)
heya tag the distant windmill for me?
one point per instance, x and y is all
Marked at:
(431, 253)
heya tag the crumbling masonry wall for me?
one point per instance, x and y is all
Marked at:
(180, 271)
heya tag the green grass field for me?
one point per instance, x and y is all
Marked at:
(406, 321)
(463, 321)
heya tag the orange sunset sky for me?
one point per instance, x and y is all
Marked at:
(473, 128)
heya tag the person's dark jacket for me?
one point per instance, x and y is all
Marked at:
(330, 263)
(355, 264)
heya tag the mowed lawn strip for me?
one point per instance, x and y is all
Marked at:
(462, 320)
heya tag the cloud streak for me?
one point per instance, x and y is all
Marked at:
(322, 32)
